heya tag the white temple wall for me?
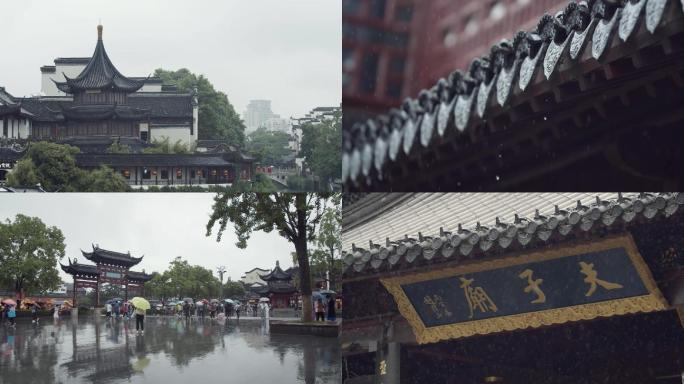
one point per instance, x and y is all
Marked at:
(174, 134)
(48, 87)
(151, 87)
(195, 124)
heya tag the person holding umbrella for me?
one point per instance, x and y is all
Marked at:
(140, 305)
(11, 315)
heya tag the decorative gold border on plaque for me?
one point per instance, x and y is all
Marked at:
(654, 301)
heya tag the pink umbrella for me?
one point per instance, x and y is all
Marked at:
(9, 301)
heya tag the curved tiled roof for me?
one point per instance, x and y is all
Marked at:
(276, 274)
(163, 105)
(102, 255)
(79, 269)
(497, 236)
(100, 73)
(138, 276)
(150, 160)
(104, 112)
(583, 31)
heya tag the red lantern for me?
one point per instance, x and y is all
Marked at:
(199, 173)
(213, 172)
(154, 173)
(126, 173)
(225, 173)
(179, 173)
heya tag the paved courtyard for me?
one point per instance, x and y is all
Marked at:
(170, 351)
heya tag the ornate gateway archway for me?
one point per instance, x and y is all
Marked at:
(110, 267)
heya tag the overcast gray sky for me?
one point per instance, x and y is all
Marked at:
(285, 51)
(160, 226)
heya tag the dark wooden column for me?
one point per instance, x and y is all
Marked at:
(97, 292)
(74, 294)
(126, 290)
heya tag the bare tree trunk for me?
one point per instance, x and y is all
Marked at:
(303, 259)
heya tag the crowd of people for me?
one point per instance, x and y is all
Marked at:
(116, 308)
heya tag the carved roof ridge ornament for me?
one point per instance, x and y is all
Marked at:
(381, 144)
(445, 95)
(580, 218)
(453, 100)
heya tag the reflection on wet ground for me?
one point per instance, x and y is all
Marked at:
(171, 351)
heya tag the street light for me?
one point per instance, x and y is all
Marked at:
(221, 270)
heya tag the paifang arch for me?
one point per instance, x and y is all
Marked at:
(110, 267)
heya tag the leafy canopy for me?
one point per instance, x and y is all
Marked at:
(294, 216)
(53, 166)
(184, 280)
(322, 147)
(269, 147)
(217, 117)
(29, 251)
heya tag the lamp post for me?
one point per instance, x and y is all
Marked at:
(221, 270)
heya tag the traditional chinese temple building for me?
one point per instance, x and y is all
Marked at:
(89, 104)
(589, 96)
(513, 288)
(280, 288)
(110, 267)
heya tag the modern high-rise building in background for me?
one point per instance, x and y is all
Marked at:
(391, 49)
(259, 114)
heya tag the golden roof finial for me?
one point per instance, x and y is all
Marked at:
(99, 31)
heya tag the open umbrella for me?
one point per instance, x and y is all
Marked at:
(317, 295)
(214, 300)
(141, 364)
(9, 302)
(140, 303)
(188, 300)
(264, 300)
(327, 292)
(229, 301)
(205, 301)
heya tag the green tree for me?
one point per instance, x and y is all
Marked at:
(217, 117)
(233, 289)
(54, 167)
(329, 235)
(29, 251)
(294, 216)
(184, 280)
(24, 174)
(322, 146)
(268, 146)
(103, 179)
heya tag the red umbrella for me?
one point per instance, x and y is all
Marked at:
(205, 301)
(9, 301)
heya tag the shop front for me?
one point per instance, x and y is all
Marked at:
(588, 294)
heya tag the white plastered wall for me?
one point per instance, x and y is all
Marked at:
(174, 134)
(48, 87)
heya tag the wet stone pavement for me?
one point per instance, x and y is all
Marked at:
(170, 351)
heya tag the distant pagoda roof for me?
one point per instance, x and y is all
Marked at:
(99, 255)
(99, 73)
(276, 274)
